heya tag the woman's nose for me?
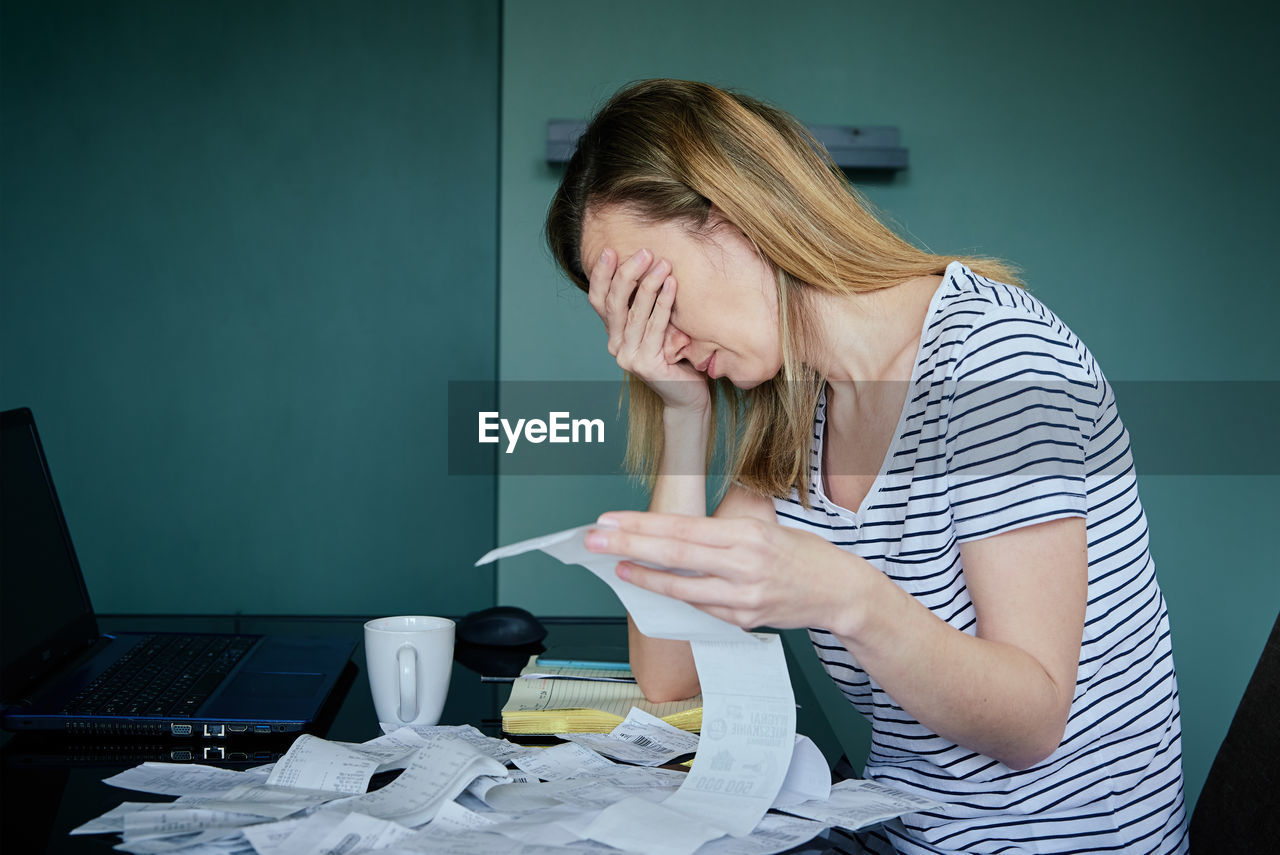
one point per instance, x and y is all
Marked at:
(680, 342)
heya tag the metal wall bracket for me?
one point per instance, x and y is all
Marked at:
(865, 147)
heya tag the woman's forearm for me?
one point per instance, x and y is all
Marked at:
(664, 669)
(681, 485)
(988, 696)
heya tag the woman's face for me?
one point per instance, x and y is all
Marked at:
(725, 317)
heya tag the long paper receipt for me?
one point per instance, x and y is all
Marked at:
(748, 719)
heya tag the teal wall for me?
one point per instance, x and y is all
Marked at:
(1122, 153)
(243, 248)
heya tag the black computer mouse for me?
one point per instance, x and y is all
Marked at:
(501, 626)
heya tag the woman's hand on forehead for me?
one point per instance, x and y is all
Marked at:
(634, 299)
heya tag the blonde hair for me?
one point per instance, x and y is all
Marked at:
(674, 150)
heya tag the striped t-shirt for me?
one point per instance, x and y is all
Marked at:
(1009, 422)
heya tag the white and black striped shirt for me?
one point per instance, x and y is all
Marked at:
(1009, 422)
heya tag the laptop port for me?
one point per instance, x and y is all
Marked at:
(180, 729)
(237, 728)
(180, 756)
(262, 728)
(214, 752)
(215, 730)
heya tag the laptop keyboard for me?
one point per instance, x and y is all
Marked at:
(163, 675)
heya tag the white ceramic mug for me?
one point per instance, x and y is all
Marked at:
(410, 660)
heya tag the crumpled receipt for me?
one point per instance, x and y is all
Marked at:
(748, 718)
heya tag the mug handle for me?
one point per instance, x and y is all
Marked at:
(407, 658)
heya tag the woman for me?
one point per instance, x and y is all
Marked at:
(927, 470)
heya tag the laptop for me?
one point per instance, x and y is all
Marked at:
(58, 672)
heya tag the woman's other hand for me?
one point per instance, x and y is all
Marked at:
(754, 573)
(634, 300)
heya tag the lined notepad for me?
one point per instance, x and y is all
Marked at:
(584, 706)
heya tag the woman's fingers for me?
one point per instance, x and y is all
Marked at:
(642, 305)
(729, 615)
(618, 298)
(655, 331)
(599, 278)
(634, 299)
(758, 573)
(636, 306)
(698, 590)
(709, 531)
(665, 551)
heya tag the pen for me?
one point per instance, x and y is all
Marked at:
(487, 679)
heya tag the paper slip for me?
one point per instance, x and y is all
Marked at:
(649, 782)
(564, 816)
(655, 615)
(293, 836)
(454, 818)
(743, 756)
(391, 750)
(596, 796)
(808, 778)
(479, 843)
(312, 763)
(855, 804)
(537, 799)
(216, 842)
(176, 779)
(775, 833)
(498, 749)
(558, 762)
(157, 846)
(179, 821)
(748, 733)
(113, 820)
(357, 831)
(559, 826)
(638, 825)
(470, 802)
(598, 791)
(203, 843)
(568, 817)
(438, 773)
(641, 738)
(748, 718)
(483, 784)
(265, 801)
(486, 843)
(525, 797)
(637, 778)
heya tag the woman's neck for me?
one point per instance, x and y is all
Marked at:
(870, 336)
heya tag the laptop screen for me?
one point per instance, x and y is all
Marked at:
(46, 609)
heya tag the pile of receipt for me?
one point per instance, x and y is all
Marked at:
(457, 794)
(756, 786)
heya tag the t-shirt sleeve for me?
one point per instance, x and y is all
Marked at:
(1022, 408)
